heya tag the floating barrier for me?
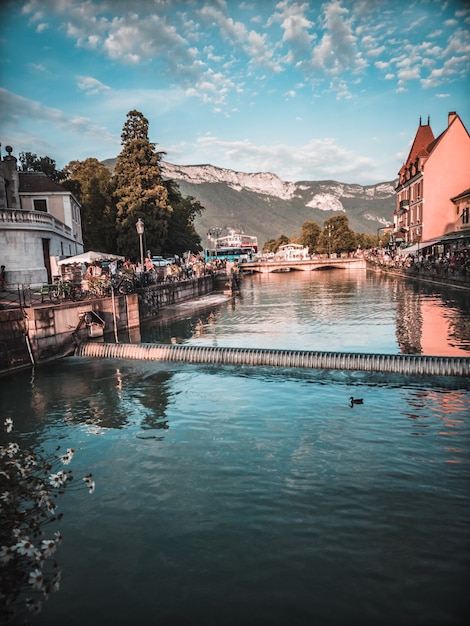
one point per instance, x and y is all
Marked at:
(394, 363)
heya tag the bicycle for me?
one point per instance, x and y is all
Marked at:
(122, 284)
(63, 289)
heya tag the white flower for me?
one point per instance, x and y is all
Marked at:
(67, 457)
(48, 547)
(58, 537)
(50, 507)
(6, 554)
(36, 579)
(12, 449)
(7, 496)
(33, 605)
(8, 424)
(59, 479)
(42, 496)
(90, 483)
(25, 547)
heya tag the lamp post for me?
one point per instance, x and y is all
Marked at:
(140, 231)
(329, 228)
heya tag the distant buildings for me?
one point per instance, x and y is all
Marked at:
(40, 223)
(433, 191)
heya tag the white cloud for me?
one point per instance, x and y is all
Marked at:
(318, 159)
(91, 85)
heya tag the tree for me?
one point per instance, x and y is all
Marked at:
(309, 236)
(182, 235)
(139, 190)
(336, 236)
(90, 182)
(273, 245)
(365, 241)
(30, 162)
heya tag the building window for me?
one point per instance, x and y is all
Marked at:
(465, 215)
(40, 205)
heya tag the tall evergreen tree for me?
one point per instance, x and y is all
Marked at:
(90, 181)
(182, 235)
(139, 190)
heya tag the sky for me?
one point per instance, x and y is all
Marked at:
(306, 90)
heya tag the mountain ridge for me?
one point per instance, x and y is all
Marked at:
(264, 205)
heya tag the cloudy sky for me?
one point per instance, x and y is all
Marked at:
(307, 90)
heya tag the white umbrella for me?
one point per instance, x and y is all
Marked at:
(90, 257)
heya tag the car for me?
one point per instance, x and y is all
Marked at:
(159, 261)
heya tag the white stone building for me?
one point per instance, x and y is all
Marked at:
(40, 223)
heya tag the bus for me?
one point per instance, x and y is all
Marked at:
(230, 253)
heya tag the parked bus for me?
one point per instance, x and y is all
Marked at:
(230, 253)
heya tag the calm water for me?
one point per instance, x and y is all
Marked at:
(257, 496)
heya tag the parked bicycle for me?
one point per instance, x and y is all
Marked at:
(122, 284)
(63, 289)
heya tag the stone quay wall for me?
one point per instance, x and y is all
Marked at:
(37, 334)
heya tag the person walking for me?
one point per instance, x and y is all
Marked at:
(2, 277)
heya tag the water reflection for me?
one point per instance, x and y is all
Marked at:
(353, 311)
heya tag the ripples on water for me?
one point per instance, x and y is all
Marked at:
(251, 495)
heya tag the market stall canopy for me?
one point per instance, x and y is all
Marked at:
(90, 257)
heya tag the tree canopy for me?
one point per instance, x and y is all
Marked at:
(90, 182)
(30, 162)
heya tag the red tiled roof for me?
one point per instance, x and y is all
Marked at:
(421, 144)
(36, 182)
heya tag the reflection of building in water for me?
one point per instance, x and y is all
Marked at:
(425, 326)
(439, 327)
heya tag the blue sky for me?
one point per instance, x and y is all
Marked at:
(306, 90)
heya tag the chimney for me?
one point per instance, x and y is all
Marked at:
(451, 117)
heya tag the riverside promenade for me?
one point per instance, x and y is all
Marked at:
(439, 274)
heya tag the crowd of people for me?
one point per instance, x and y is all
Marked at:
(150, 273)
(451, 264)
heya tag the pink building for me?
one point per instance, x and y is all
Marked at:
(435, 175)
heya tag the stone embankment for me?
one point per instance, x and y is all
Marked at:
(34, 331)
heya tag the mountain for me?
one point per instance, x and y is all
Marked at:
(262, 204)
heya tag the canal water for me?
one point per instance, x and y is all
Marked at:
(242, 495)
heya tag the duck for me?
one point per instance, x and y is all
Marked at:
(354, 401)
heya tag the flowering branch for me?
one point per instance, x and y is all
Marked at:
(29, 485)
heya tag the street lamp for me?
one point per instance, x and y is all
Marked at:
(140, 231)
(329, 228)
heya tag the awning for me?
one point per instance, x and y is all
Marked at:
(458, 235)
(418, 246)
(90, 257)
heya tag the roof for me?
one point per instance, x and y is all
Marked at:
(462, 195)
(34, 182)
(421, 144)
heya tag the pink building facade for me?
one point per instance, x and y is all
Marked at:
(432, 192)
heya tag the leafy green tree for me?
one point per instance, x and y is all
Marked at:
(336, 236)
(30, 162)
(365, 241)
(182, 235)
(273, 245)
(90, 182)
(139, 189)
(309, 236)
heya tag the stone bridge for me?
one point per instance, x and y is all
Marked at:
(305, 265)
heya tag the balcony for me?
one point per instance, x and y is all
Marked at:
(18, 219)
